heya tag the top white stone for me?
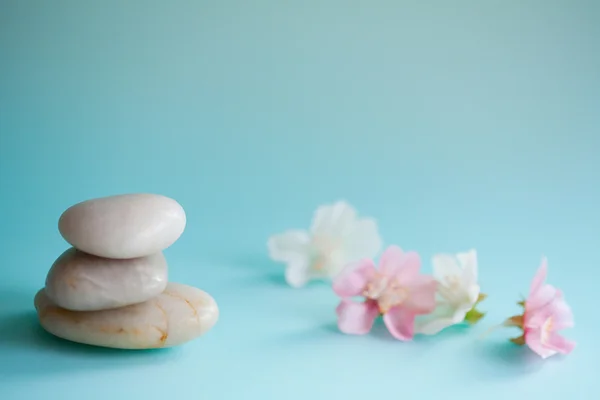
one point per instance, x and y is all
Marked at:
(123, 226)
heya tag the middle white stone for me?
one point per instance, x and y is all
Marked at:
(82, 282)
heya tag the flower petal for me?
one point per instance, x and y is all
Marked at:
(433, 326)
(391, 258)
(535, 318)
(468, 263)
(445, 265)
(363, 241)
(473, 292)
(354, 278)
(544, 295)
(400, 322)
(297, 273)
(442, 317)
(533, 339)
(356, 318)
(409, 270)
(421, 294)
(562, 314)
(539, 278)
(560, 344)
(289, 246)
(333, 220)
(395, 263)
(557, 309)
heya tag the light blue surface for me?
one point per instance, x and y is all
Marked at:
(472, 125)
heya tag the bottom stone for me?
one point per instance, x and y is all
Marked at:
(179, 314)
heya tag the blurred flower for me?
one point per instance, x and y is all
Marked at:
(337, 236)
(546, 313)
(458, 293)
(396, 290)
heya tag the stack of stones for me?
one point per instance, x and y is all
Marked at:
(111, 288)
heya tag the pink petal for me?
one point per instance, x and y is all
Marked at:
(356, 318)
(560, 344)
(536, 318)
(390, 260)
(540, 298)
(562, 314)
(353, 279)
(400, 322)
(410, 268)
(533, 338)
(421, 295)
(558, 310)
(539, 278)
(404, 266)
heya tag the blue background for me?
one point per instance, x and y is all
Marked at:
(466, 125)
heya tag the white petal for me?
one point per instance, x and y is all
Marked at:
(440, 318)
(473, 294)
(363, 242)
(468, 262)
(336, 264)
(433, 326)
(459, 295)
(445, 265)
(289, 246)
(449, 294)
(461, 312)
(333, 220)
(297, 274)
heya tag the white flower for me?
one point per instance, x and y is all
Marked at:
(337, 237)
(457, 295)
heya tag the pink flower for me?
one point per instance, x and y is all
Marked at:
(397, 291)
(546, 313)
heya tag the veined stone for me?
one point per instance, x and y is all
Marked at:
(180, 314)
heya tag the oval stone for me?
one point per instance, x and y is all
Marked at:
(123, 226)
(83, 282)
(179, 314)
